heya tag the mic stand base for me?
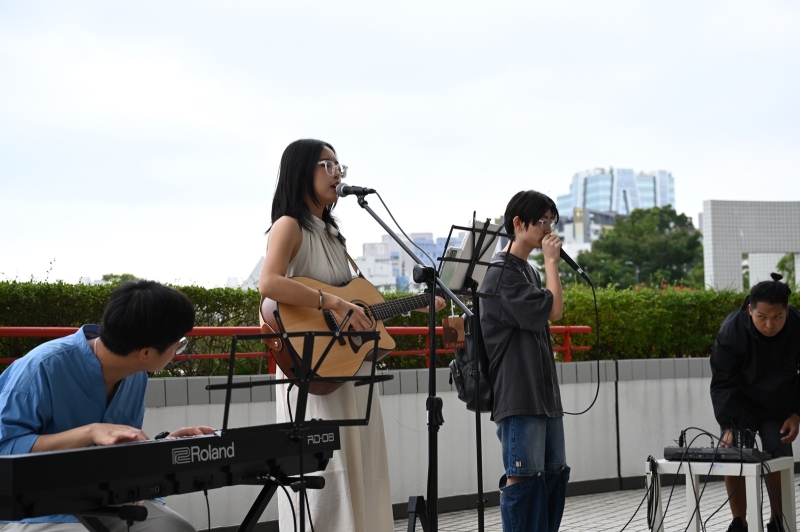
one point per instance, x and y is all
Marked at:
(417, 508)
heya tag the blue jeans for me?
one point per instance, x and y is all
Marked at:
(533, 447)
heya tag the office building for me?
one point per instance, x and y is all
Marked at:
(598, 197)
(386, 265)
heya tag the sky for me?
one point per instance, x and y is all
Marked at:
(144, 137)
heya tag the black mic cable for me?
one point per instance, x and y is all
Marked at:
(574, 265)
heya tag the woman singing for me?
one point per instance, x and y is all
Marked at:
(304, 240)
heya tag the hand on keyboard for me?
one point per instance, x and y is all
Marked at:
(191, 431)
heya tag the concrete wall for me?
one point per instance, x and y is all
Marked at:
(655, 400)
(731, 228)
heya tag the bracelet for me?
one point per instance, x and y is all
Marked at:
(320, 300)
(162, 435)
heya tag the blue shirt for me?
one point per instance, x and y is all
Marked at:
(59, 386)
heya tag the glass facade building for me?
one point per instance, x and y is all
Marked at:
(617, 190)
(597, 196)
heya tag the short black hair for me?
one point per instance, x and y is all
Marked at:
(770, 292)
(530, 206)
(296, 179)
(144, 314)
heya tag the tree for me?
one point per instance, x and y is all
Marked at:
(786, 267)
(119, 278)
(656, 245)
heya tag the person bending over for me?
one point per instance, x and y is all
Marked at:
(88, 389)
(527, 401)
(754, 387)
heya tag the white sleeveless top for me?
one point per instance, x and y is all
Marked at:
(321, 256)
(357, 493)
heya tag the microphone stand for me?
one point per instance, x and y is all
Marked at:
(482, 240)
(433, 405)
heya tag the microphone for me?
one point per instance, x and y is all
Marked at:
(343, 190)
(574, 265)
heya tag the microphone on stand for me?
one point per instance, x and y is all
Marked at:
(343, 190)
(574, 265)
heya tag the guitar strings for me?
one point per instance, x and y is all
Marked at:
(387, 309)
(405, 305)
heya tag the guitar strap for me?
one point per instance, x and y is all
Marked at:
(353, 264)
(349, 258)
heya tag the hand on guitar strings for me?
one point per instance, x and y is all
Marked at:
(359, 320)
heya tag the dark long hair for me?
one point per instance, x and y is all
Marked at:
(296, 179)
(530, 206)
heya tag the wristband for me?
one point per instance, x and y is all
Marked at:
(161, 435)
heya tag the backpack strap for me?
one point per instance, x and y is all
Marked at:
(504, 262)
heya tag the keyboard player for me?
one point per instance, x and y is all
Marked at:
(88, 389)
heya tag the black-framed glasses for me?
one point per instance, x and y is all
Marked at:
(331, 168)
(544, 224)
(182, 343)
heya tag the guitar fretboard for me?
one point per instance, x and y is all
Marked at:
(387, 309)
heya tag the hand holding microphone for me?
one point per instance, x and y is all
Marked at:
(551, 245)
(551, 249)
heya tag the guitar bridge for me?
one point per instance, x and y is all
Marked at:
(333, 325)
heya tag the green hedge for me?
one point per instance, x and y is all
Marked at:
(650, 322)
(645, 323)
(35, 304)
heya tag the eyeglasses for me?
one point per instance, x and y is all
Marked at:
(547, 223)
(331, 168)
(182, 343)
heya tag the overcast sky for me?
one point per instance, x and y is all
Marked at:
(144, 137)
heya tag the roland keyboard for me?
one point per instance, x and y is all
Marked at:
(715, 454)
(71, 481)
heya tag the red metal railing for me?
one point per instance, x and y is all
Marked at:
(568, 330)
(57, 332)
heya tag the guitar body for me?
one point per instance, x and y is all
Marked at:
(342, 360)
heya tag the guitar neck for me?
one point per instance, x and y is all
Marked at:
(388, 309)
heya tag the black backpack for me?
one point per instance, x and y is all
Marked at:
(464, 365)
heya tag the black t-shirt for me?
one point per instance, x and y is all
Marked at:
(518, 343)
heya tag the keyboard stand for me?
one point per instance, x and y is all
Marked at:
(751, 474)
(258, 507)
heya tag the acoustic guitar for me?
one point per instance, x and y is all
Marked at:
(347, 353)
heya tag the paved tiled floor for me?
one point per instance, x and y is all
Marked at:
(610, 512)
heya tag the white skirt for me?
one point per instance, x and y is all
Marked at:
(357, 494)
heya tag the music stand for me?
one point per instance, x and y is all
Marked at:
(470, 262)
(470, 268)
(305, 375)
